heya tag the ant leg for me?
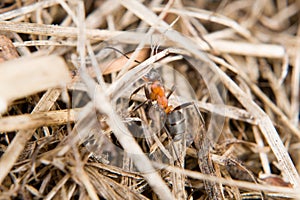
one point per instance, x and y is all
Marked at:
(184, 105)
(171, 91)
(138, 106)
(136, 91)
(173, 146)
(147, 94)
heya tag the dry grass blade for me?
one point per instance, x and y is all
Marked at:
(36, 120)
(222, 46)
(27, 9)
(295, 89)
(30, 75)
(213, 17)
(51, 194)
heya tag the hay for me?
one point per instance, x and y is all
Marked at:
(77, 123)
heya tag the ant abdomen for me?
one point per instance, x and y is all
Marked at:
(175, 124)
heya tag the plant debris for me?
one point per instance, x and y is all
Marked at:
(149, 99)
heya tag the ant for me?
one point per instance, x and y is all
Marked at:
(156, 96)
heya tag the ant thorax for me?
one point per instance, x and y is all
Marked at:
(159, 104)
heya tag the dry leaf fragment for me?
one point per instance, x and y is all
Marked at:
(275, 180)
(7, 50)
(118, 64)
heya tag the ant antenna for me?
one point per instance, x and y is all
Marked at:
(153, 46)
(120, 52)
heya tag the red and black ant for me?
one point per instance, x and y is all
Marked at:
(156, 96)
(157, 99)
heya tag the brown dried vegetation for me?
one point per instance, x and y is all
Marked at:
(70, 127)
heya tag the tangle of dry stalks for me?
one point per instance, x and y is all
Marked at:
(81, 116)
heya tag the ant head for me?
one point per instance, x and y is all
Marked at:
(153, 75)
